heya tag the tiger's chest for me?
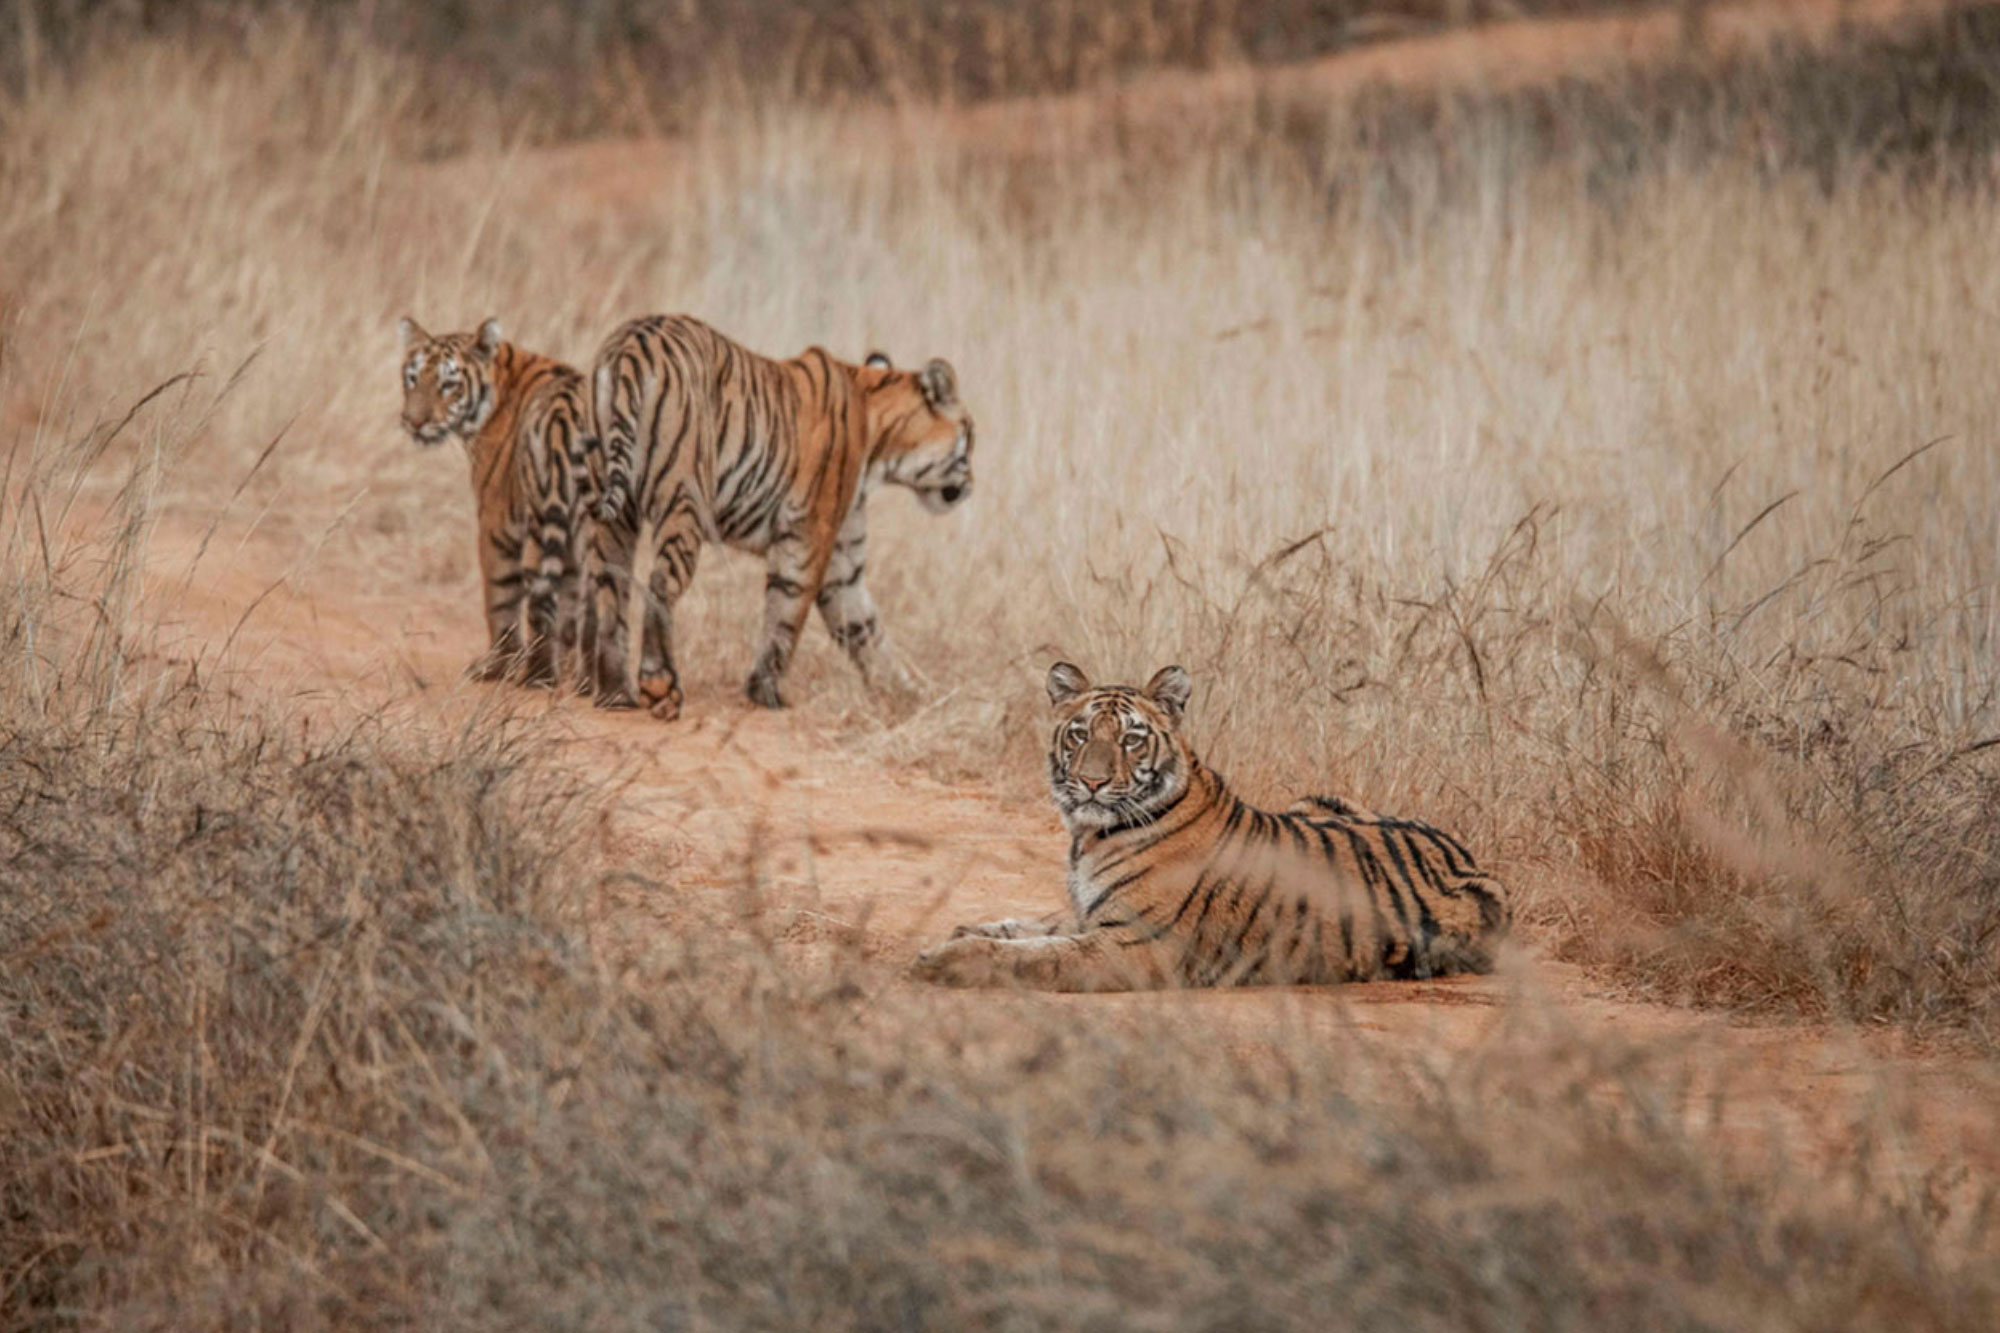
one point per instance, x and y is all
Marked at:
(1081, 894)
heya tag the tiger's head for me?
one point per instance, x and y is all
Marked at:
(921, 435)
(1117, 756)
(447, 381)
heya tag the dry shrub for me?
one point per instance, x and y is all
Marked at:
(1485, 458)
(309, 1031)
(1557, 483)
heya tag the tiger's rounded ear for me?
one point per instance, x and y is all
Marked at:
(411, 332)
(1066, 682)
(1170, 688)
(489, 337)
(940, 386)
(879, 361)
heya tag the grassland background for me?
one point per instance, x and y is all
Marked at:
(640, 65)
(1603, 470)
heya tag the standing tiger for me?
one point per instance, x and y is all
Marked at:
(1175, 881)
(707, 441)
(525, 422)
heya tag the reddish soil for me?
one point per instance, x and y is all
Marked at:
(736, 813)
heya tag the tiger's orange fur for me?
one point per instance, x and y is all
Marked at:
(1176, 881)
(707, 441)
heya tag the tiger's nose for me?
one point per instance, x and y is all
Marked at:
(1094, 768)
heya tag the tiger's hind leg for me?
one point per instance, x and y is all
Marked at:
(544, 566)
(584, 484)
(611, 547)
(659, 682)
(576, 609)
(675, 556)
(577, 632)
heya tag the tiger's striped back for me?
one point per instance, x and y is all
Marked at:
(648, 367)
(1174, 880)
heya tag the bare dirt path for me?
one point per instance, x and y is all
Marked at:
(735, 814)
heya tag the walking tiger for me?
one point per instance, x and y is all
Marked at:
(707, 441)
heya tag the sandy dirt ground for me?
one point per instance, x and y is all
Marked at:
(736, 817)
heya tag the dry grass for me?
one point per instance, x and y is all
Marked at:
(638, 65)
(1607, 476)
(307, 1031)
(1626, 551)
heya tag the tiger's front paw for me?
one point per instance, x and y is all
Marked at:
(1009, 929)
(967, 960)
(662, 695)
(763, 691)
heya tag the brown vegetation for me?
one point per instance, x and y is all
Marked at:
(1603, 471)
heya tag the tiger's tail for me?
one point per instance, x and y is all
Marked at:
(618, 437)
(555, 540)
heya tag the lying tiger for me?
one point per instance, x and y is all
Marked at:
(706, 441)
(525, 422)
(1175, 881)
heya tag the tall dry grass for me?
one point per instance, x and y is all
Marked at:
(639, 65)
(1606, 475)
(306, 1028)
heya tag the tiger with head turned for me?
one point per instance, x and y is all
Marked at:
(1176, 881)
(524, 420)
(706, 441)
